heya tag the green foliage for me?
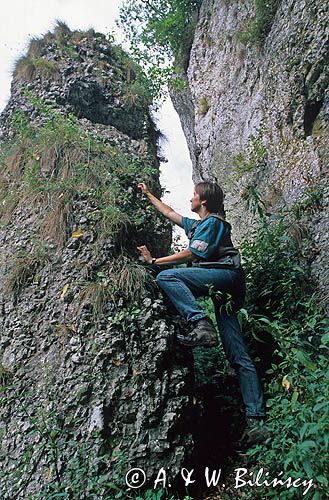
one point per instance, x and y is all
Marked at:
(281, 305)
(61, 159)
(58, 164)
(254, 201)
(310, 202)
(256, 30)
(20, 124)
(254, 158)
(158, 25)
(159, 32)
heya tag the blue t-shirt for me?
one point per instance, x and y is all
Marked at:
(207, 236)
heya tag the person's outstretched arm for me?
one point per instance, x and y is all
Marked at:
(164, 209)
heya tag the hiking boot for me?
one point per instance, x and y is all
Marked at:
(203, 334)
(255, 432)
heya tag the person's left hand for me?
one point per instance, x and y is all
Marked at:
(145, 253)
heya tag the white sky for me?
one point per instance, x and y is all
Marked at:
(22, 19)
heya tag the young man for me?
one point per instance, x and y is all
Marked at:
(214, 266)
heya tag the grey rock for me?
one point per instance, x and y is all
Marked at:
(275, 95)
(76, 373)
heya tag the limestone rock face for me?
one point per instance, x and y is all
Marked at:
(255, 114)
(92, 382)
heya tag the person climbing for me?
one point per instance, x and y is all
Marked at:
(213, 269)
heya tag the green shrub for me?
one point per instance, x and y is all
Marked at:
(159, 33)
(281, 306)
(158, 25)
(252, 159)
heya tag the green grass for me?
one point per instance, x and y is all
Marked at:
(285, 319)
(57, 164)
(28, 68)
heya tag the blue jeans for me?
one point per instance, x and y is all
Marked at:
(183, 286)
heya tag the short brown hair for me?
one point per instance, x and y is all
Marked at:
(213, 194)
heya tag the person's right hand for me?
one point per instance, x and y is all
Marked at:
(143, 187)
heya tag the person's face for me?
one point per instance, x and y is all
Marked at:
(196, 203)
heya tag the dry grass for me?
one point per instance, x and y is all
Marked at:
(204, 106)
(55, 223)
(97, 295)
(9, 200)
(62, 31)
(49, 157)
(15, 160)
(24, 266)
(130, 68)
(5, 375)
(48, 38)
(4, 188)
(24, 69)
(114, 223)
(129, 279)
(28, 68)
(36, 47)
(77, 36)
(122, 278)
(9, 191)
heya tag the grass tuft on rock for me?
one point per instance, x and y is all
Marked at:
(59, 167)
(24, 266)
(27, 68)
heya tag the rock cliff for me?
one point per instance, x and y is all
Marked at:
(91, 380)
(255, 112)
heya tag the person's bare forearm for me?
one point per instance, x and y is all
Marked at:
(164, 209)
(177, 258)
(159, 205)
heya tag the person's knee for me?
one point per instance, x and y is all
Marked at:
(244, 362)
(164, 276)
